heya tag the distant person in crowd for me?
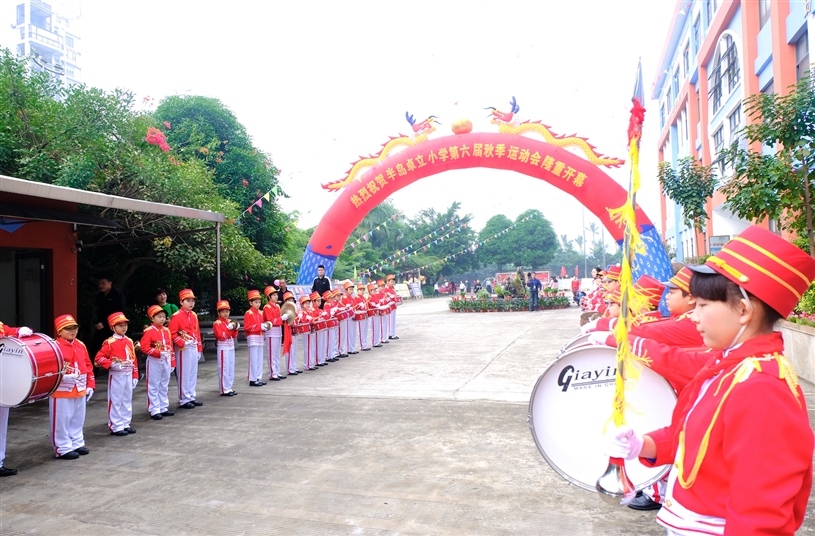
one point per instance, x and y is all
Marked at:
(576, 294)
(161, 300)
(535, 286)
(321, 283)
(282, 289)
(596, 278)
(467, 284)
(108, 301)
(462, 287)
(436, 289)
(553, 283)
(489, 286)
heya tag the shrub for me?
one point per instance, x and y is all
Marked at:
(482, 294)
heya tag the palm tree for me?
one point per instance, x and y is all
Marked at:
(594, 229)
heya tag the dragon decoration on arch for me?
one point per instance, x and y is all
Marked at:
(507, 123)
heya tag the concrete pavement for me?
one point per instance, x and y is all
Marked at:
(426, 435)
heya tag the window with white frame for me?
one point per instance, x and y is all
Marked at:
(763, 12)
(69, 41)
(802, 56)
(734, 122)
(686, 59)
(726, 71)
(675, 82)
(718, 140)
(697, 35)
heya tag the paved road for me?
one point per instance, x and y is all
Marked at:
(427, 435)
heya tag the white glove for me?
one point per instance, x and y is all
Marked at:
(116, 367)
(88, 394)
(190, 343)
(264, 326)
(598, 338)
(25, 332)
(165, 355)
(284, 317)
(589, 326)
(622, 442)
(135, 382)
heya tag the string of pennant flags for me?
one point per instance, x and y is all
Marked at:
(370, 233)
(370, 271)
(411, 245)
(405, 252)
(274, 192)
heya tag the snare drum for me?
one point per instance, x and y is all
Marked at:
(333, 323)
(371, 312)
(580, 341)
(320, 325)
(30, 369)
(571, 403)
(360, 315)
(299, 329)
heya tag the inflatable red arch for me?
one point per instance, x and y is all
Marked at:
(393, 171)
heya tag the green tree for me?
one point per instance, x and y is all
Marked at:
(533, 240)
(203, 129)
(496, 251)
(771, 185)
(689, 186)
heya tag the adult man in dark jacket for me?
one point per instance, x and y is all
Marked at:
(535, 286)
(321, 282)
(108, 301)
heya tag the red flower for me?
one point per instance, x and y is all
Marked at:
(245, 182)
(167, 125)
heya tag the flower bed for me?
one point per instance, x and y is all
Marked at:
(484, 305)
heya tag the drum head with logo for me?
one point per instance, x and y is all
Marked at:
(571, 403)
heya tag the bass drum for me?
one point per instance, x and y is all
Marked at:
(30, 369)
(571, 403)
(580, 341)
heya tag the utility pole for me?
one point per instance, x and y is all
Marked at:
(603, 242)
(585, 266)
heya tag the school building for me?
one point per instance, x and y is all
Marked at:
(716, 53)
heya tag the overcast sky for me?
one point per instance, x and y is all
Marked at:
(319, 83)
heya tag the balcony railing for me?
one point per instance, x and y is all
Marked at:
(44, 36)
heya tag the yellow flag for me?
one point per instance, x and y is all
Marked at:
(266, 197)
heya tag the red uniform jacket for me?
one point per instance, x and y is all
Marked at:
(77, 362)
(674, 331)
(304, 317)
(271, 313)
(223, 333)
(757, 470)
(8, 331)
(331, 309)
(252, 320)
(117, 348)
(188, 323)
(156, 340)
(360, 303)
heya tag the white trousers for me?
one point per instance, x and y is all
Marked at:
(158, 384)
(310, 350)
(3, 433)
(656, 491)
(392, 329)
(344, 329)
(120, 398)
(333, 342)
(67, 423)
(186, 372)
(291, 357)
(353, 336)
(322, 346)
(255, 363)
(274, 351)
(377, 321)
(365, 336)
(226, 369)
(386, 326)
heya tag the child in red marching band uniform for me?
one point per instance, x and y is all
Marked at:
(273, 335)
(319, 317)
(290, 356)
(118, 356)
(253, 327)
(358, 324)
(226, 333)
(370, 303)
(157, 344)
(347, 325)
(186, 334)
(8, 331)
(740, 441)
(391, 283)
(305, 339)
(332, 308)
(66, 407)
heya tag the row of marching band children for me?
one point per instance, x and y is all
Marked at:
(327, 327)
(740, 445)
